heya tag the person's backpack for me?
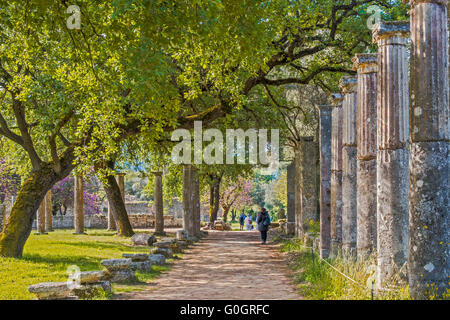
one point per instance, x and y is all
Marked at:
(266, 221)
(241, 219)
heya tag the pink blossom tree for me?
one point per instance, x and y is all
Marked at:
(235, 195)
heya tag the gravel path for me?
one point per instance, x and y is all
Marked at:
(224, 266)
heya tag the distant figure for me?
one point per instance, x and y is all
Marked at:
(242, 221)
(249, 222)
(263, 222)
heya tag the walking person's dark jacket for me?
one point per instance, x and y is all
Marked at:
(260, 221)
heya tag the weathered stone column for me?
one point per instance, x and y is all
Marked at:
(159, 205)
(349, 164)
(306, 188)
(325, 180)
(429, 252)
(336, 174)
(290, 177)
(366, 135)
(188, 218)
(48, 212)
(78, 208)
(196, 201)
(40, 219)
(393, 153)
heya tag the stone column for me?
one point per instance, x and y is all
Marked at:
(40, 219)
(78, 208)
(306, 188)
(290, 177)
(429, 252)
(159, 205)
(2, 215)
(325, 180)
(188, 221)
(336, 174)
(393, 153)
(196, 201)
(349, 164)
(366, 136)
(111, 222)
(48, 212)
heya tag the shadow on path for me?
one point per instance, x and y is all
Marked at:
(224, 266)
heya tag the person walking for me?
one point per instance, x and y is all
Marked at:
(263, 222)
(242, 221)
(249, 222)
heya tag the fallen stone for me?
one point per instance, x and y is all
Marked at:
(123, 276)
(142, 239)
(163, 244)
(89, 291)
(136, 257)
(218, 227)
(182, 235)
(157, 259)
(116, 264)
(142, 266)
(94, 276)
(183, 244)
(164, 251)
(51, 290)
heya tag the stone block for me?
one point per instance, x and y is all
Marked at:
(157, 259)
(116, 264)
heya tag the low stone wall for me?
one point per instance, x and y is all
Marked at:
(138, 221)
(138, 207)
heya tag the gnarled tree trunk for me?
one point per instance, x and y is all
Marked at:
(119, 211)
(19, 223)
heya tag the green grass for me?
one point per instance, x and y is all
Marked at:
(47, 257)
(317, 281)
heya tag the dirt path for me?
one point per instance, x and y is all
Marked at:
(225, 265)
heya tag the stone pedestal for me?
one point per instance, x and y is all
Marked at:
(336, 174)
(349, 165)
(393, 153)
(78, 208)
(366, 127)
(325, 180)
(429, 252)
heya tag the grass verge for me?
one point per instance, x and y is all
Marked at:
(316, 280)
(47, 257)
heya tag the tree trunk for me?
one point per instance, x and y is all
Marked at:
(19, 223)
(216, 200)
(159, 206)
(226, 210)
(119, 211)
(211, 203)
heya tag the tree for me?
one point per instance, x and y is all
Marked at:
(63, 195)
(236, 195)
